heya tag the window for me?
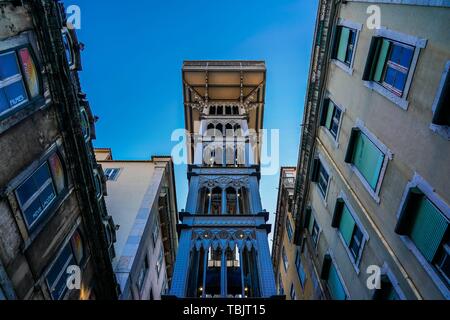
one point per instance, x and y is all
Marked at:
(85, 126)
(112, 173)
(312, 227)
(366, 157)
(68, 48)
(321, 176)
(98, 184)
(292, 293)
(389, 63)
(386, 291)
(72, 254)
(441, 105)
(300, 269)
(349, 229)
(289, 230)
(39, 191)
(345, 41)
(155, 232)
(19, 80)
(285, 260)
(143, 273)
(331, 117)
(333, 280)
(159, 262)
(280, 285)
(426, 226)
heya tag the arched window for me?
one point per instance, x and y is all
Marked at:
(219, 130)
(212, 110)
(229, 130)
(204, 196)
(228, 110)
(235, 110)
(210, 130)
(231, 201)
(237, 130)
(243, 197)
(216, 201)
(85, 126)
(220, 110)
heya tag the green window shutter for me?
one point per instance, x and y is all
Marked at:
(343, 44)
(371, 58)
(308, 216)
(334, 284)
(311, 223)
(428, 229)
(315, 170)
(351, 145)
(337, 213)
(412, 201)
(368, 159)
(324, 112)
(442, 114)
(347, 225)
(381, 60)
(326, 265)
(329, 117)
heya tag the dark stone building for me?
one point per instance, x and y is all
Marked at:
(53, 217)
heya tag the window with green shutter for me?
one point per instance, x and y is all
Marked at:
(335, 286)
(331, 117)
(368, 159)
(344, 46)
(388, 64)
(428, 229)
(346, 225)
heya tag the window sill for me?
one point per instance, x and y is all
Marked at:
(443, 131)
(16, 115)
(343, 66)
(398, 101)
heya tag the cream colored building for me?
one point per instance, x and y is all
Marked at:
(374, 164)
(296, 277)
(142, 200)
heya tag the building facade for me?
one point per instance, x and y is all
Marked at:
(53, 222)
(373, 166)
(142, 201)
(295, 275)
(223, 250)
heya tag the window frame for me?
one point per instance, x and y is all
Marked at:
(143, 274)
(15, 47)
(420, 183)
(324, 111)
(66, 243)
(114, 175)
(353, 26)
(383, 149)
(356, 261)
(160, 262)
(332, 262)
(285, 259)
(298, 258)
(418, 44)
(443, 130)
(289, 229)
(49, 210)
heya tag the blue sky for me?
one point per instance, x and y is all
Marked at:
(132, 68)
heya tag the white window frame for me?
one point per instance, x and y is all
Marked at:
(338, 271)
(356, 263)
(357, 27)
(388, 155)
(323, 163)
(420, 183)
(418, 44)
(334, 140)
(319, 233)
(386, 270)
(444, 131)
